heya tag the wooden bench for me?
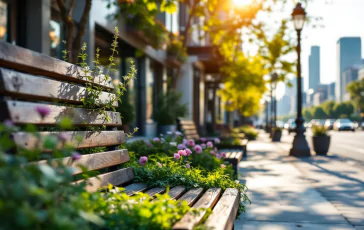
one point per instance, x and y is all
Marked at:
(29, 80)
(234, 153)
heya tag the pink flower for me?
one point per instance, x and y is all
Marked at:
(223, 166)
(191, 142)
(143, 160)
(181, 146)
(159, 165)
(188, 151)
(203, 146)
(76, 156)
(203, 139)
(209, 144)
(43, 111)
(188, 166)
(63, 137)
(218, 156)
(217, 141)
(156, 139)
(223, 154)
(182, 152)
(177, 156)
(212, 152)
(197, 148)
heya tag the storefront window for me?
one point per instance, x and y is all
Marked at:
(55, 39)
(3, 21)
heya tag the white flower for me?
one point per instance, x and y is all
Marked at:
(173, 143)
(86, 69)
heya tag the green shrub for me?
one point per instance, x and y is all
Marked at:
(320, 130)
(249, 132)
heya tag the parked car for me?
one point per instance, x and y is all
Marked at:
(344, 124)
(329, 124)
(290, 125)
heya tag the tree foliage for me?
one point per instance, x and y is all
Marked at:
(356, 91)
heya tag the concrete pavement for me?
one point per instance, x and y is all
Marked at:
(289, 193)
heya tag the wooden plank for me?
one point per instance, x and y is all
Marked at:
(102, 181)
(134, 188)
(95, 161)
(187, 122)
(190, 219)
(21, 112)
(24, 60)
(152, 192)
(225, 211)
(239, 156)
(176, 192)
(88, 139)
(195, 136)
(31, 87)
(188, 127)
(192, 195)
(190, 132)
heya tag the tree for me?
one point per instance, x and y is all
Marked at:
(318, 113)
(344, 109)
(328, 108)
(307, 114)
(356, 91)
(74, 42)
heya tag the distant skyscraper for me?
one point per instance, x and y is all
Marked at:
(314, 68)
(349, 75)
(348, 54)
(331, 91)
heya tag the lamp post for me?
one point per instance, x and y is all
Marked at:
(300, 146)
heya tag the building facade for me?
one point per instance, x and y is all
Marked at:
(349, 75)
(348, 54)
(314, 67)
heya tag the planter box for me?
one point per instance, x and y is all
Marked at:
(321, 144)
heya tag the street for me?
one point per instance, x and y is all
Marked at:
(343, 144)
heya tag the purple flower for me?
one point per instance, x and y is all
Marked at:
(169, 132)
(191, 142)
(223, 166)
(185, 141)
(203, 146)
(215, 149)
(63, 137)
(43, 111)
(156, 139)
(182, 153)
(181, 146)
(197, 148)
(188, 151)
(218, 156)
(203, 139)
(217, 141)
(177, 156)
(212, 152)
(76, 156)
(8, 124)
(209, 144)
(159, 165)
(178, 133)
(223, 154)
(143, 160)
(188, 166)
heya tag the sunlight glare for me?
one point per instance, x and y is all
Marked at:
(241, 3)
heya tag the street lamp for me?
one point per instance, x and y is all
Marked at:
(300, 146)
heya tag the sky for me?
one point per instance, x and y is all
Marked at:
(341, 18)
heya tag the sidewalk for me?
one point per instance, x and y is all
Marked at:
(288, 193)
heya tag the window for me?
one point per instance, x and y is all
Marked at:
(4, 21)
(55, 39)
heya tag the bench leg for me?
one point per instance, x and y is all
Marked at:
(244, 151)
(235, 167)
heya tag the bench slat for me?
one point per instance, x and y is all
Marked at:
(224, 213)
(24, 60)
(115, 178)
(208, 200)
(176, 192)
(134, 188)
(152, 192)
(31, 87)
(190, 132)
(195, 136)
(192, 195)
(187, 122)
(89, 139)
(21, 112)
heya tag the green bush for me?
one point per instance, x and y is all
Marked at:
(249, 132)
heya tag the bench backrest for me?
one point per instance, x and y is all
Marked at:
(29, 80)
(188, 128)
